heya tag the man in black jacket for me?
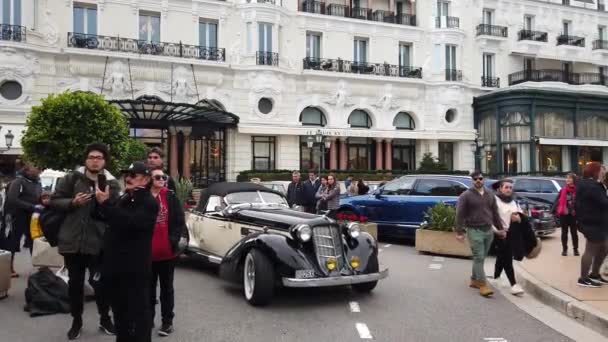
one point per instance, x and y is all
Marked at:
(296, 196)
(310, 188)
(126, 269)
(155, 161)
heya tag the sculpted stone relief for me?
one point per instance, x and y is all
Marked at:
(386, 102)
(182, 88)
(339, 98)
(21, 67)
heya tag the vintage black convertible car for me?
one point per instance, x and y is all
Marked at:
(259, 242)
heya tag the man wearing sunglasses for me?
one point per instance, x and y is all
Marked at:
(81, 234)
(477, 217)
(127, 262)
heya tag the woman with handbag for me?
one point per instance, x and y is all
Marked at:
(591, 206)
(321, 204)
(170, 223)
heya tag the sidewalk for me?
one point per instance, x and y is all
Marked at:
(552, 279)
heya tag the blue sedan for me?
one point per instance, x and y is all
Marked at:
(400, 205)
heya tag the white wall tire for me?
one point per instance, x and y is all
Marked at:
(258, 278)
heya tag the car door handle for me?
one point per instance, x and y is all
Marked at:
(222, 226)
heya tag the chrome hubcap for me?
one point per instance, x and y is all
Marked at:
(249, 276)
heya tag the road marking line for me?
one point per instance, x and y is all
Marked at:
(387, 246)
(435, 266)
(354, 307)
(380, 250)
(364, 331)
(495, 339)
(438, 259)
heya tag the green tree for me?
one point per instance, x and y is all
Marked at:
(59, 129)
(431, 164)
(135, 150)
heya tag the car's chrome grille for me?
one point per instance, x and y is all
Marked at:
(328, 244)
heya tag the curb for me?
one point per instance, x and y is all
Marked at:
(567, 305)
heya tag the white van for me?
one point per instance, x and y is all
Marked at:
(49, 179)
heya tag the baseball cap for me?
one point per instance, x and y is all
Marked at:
(138, 168)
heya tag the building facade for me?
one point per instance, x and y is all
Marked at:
(382, 82)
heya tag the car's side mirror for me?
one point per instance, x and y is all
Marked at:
(377, 193)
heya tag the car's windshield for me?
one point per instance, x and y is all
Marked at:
(561, 183)
(47, 183)
(254, 197)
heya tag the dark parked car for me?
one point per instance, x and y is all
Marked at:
(538, 189)
(399, 206)
(259, 242)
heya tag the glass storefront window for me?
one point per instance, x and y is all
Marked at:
(446, 154)
(550, 158)
(310, 158)
(487, 128)
(516, 158)
(587, 154)
(488, 161)
(554, 124)
(404, 154)
(592, 126)
(359, 150)
(515, 126)
(263, 150)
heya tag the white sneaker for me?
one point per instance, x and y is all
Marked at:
(516, 290)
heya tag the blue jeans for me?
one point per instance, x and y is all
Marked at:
(480, 242)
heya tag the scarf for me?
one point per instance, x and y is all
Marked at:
(562, 207)
(505, 198)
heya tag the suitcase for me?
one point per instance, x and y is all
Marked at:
(5, 273)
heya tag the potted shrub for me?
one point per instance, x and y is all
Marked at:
(436, 233)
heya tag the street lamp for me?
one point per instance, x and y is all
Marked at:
(476, 146)
(324, 143)
(8, 137)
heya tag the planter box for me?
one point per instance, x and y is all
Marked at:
(443, 243)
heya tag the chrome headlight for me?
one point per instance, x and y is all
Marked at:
(354, 230)
(303, 232)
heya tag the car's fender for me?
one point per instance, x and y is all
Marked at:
(365, 247)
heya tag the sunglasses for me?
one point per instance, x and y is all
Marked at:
(478, 178)
(160, 177)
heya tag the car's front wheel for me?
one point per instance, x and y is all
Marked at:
(258, 278)
(373, 267)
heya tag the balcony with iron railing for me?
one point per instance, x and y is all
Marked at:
(362, 13)
(553, 75)
(536, 36)
(447, 22)
(599, 44)
(267, 58)
(144, 47)
(564, 39)
(453, 75)
(492, 30)
(377, 69)
(490, 82)
(13, 33)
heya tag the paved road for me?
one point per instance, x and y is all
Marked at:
(416, 303)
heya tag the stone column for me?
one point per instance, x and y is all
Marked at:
(333, 155)
(343, 154)
(388, 154)
(391, 5)
(173, 169)
(186, 131)
(378, 154)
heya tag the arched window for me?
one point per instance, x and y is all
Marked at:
(359, 119)
(404, 121)
(312, 116)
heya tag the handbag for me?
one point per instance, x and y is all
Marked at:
(536, 250)
(44, 255)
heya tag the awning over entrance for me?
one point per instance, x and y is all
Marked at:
(573, 142)
(153, 109)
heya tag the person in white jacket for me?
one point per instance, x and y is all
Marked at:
(509, 212)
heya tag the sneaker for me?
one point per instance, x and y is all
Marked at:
(588, 283)
(516, 290)
(165, 330)
(74, 332)
(106, 326)
(485, 290)
(598, 279)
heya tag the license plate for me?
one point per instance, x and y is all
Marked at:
(305, 274)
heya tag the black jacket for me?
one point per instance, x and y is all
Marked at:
(296, 194)
(591, 207)
(310, 190)
(128, 239)
(177, 220)
(22, 195)
(521, 238)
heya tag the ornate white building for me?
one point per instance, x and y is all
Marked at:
(385, 81)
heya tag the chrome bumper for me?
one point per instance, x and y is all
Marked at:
(335, 281)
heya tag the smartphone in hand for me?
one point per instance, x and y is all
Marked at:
(102, 182)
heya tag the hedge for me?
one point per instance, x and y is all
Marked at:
(375, 175)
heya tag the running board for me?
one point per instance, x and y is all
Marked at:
(211, 258)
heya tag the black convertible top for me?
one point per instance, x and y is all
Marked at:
(225, 188)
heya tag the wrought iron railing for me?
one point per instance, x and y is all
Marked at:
(267, 58)
(14, 33)
(453, 75)
(383, 16)
(492, 30)
(338, 10)
(361, 13)
(450, 22)
(490, 82)
(405, 19)
(108, 43)
(552, 75)
(600, 44)
(311, 6)
(345, 66)
(536, 36)
(564, 39)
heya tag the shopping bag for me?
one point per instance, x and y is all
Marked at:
(64, 275)
(45, 255)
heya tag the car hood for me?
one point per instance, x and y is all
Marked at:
(279, 217)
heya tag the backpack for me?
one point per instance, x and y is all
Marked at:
(51, 221)
(46, 294)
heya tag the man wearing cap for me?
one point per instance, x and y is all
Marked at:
(126, 269)
(81, 235)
